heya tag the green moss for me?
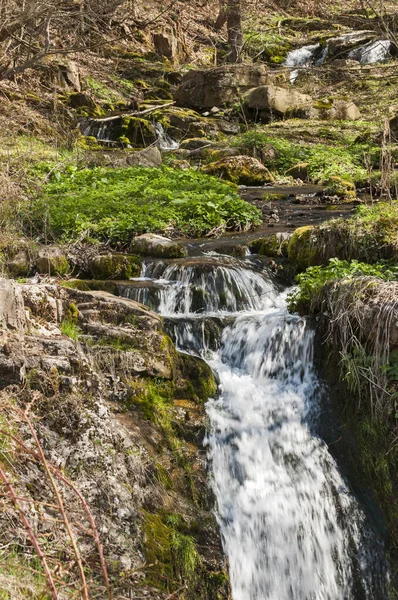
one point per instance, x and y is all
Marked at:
(196, 380)
(70, 329)
(173, 556)
(115, 266)
(139, 132)
(76, 284)
(240, 170)
(301, 249)
(337, 186)
(272, 245)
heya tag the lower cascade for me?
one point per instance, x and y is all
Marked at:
(292, 528)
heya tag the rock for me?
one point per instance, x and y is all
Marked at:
(270, 101)
(299, 171)
(179, 164)
(149, 157)
(337, 110)
(70, 75)
(150, 244)
(242, 170)
(19, 265)
(301, 249)
(229, 127)
(197, 144)
(12, 314)
(114, 266)
(170, 43)
(181, 123)
(51, 260)
(394, 128)
(222, 85)
(337, 186)
(215, 110)
(275, 245)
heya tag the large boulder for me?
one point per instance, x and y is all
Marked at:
(242, 170)
(150, 244)
(221, 85)
(269, 101)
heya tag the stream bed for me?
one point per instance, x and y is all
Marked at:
(291, 526)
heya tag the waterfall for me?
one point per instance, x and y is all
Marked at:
(165, 142)
(372, 53)
(108, 130)
(291, 527)
(316, 54)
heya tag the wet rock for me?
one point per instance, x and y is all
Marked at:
(221, 85)
(150, 244)
(242, 170)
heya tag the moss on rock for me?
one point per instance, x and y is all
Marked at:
(242, 170)
(337, 186)
(273, 246)
(115, 266)
(195, 379)
(302, 251)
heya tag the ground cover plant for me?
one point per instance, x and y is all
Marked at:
(115, 204)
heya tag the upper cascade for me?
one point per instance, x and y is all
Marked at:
(209, 285)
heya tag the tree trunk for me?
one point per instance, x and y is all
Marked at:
(222, 17)
(234, 26)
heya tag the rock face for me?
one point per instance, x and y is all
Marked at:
(242, 170)
(272, 101)
(221, 85)
(120, 412)
(170, 43)
(151, 244)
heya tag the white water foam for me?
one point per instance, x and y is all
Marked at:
(292, 530)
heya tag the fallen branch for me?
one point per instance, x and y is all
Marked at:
(136, 113)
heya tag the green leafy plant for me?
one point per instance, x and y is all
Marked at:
(312, 281)
(115, 204)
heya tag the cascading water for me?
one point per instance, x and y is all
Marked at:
(291, 527)
(374, 52)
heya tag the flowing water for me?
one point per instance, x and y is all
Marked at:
(291, 527)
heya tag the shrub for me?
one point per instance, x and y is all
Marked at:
(115, 204)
